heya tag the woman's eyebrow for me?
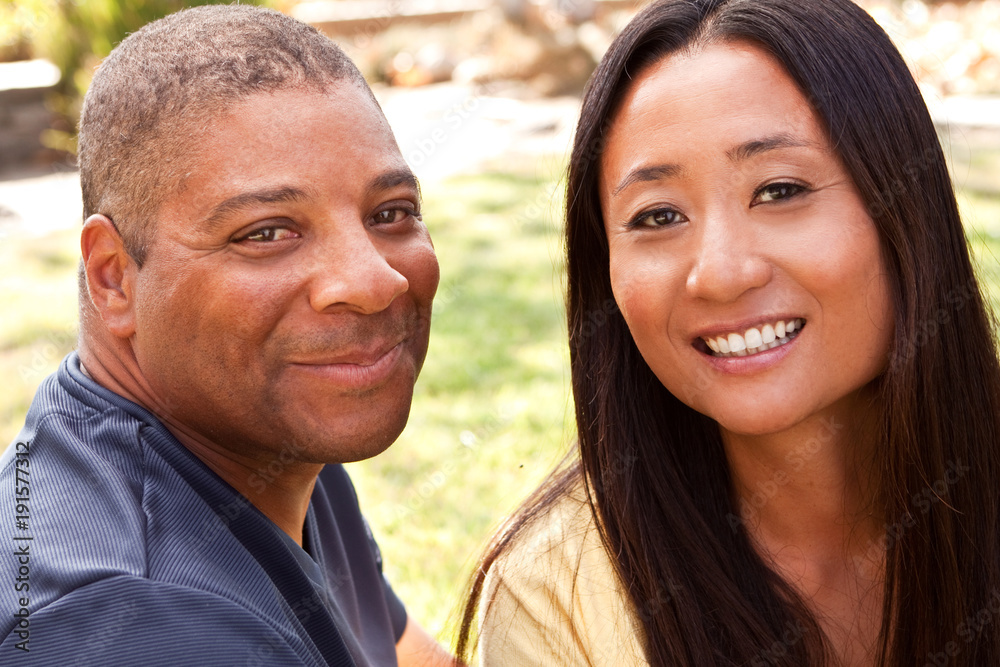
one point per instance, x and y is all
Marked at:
(645, 174)
(755, 147)
(742, 152)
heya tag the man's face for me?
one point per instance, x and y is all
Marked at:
(285, 303)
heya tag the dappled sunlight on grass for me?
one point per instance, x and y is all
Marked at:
(39, 322)
(981, 214)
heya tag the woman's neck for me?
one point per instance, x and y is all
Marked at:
(806, 499)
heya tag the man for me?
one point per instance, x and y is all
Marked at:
(255, 301)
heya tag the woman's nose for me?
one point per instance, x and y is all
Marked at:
(727, 262)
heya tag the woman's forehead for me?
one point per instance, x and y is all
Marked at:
(730, 96)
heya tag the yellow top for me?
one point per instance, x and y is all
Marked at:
(553, 599)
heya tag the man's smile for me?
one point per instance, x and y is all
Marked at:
(357, 371)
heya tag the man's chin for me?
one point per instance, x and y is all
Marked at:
(346, 443)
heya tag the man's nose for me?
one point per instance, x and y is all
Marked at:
(727, 261)
(353, 272)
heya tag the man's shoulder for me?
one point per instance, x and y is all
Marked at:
(77, 465)
(91, 501)
(113, 539)
(125, 620)
(83, 438)
(74, 480)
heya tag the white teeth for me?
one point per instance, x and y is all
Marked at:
(755, 339)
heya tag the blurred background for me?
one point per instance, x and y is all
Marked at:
(483, 97)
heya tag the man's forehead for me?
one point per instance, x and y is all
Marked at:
(279, 130)
(201, 119)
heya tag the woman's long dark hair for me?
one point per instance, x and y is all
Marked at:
(655, 469)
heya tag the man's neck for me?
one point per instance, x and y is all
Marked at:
(279, 487)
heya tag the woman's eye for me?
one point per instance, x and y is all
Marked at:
(268, 234)
(391, 215)
(661, 217)
(776, 192)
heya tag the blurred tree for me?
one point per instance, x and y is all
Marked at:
(76, 35)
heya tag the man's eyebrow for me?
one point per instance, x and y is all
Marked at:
(393, 178)
(247, 199)
(645, 174)
(755, 147)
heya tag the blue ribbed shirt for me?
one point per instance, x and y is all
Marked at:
(120, 547)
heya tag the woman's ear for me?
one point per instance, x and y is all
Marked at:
(110, 274)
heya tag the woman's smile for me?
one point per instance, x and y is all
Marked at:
(754, 340)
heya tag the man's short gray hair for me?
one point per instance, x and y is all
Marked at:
(161, 87)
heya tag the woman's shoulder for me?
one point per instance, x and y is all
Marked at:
(564, 531)
(553, 597)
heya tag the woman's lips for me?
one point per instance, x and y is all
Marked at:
(753, 340)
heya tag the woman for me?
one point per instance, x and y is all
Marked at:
(788, 419)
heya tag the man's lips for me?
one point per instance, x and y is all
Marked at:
(359, 369)
(367, 355)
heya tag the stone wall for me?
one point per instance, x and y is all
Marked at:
(23, 113)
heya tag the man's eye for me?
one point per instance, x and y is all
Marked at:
(776, 192)
(391, 215)
(661, 217)
(268, 234)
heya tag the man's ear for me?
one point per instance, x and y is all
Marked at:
(110, 274)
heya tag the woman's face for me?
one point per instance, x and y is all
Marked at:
(742, 257)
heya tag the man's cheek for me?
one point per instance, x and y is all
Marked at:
(420, 267)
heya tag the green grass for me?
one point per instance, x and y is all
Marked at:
(39, 324)
(491, 414)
